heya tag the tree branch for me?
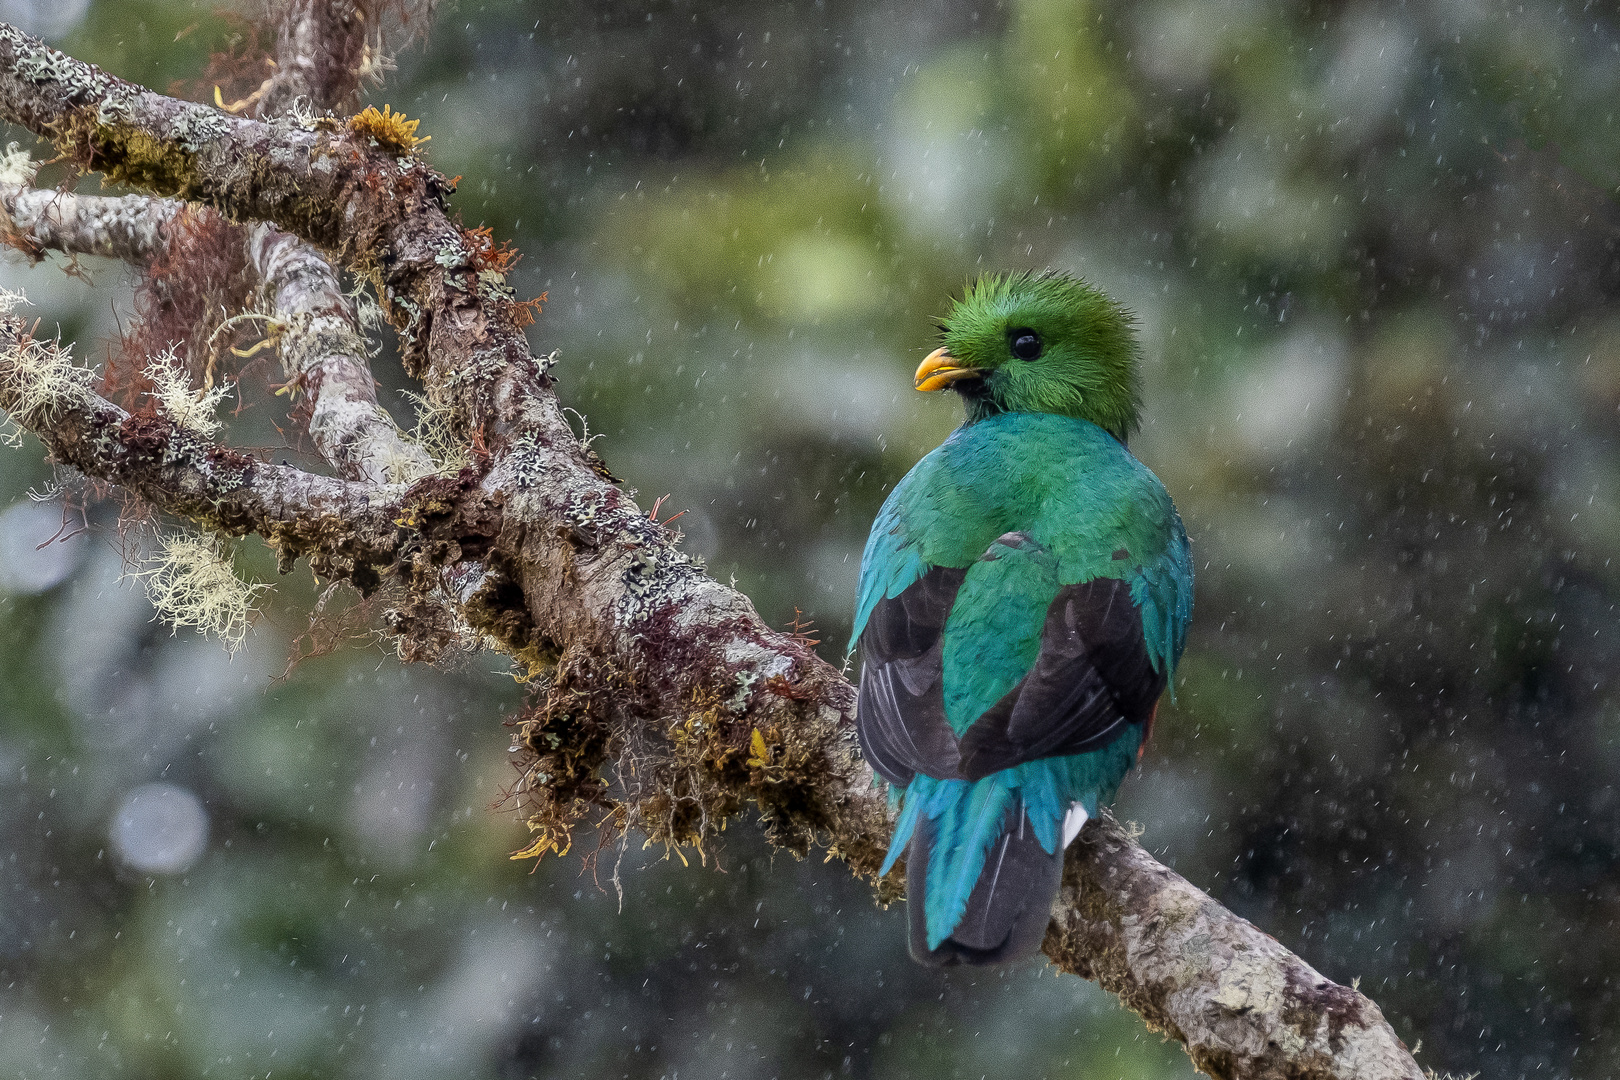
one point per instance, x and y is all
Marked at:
(320, 48)
(128, 228)
(347, 530)
(645, 658)
(321, 53)
(317, 333)
(1242, 1005)
(322, 350)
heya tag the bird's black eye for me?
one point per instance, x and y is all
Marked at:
(1026, 344)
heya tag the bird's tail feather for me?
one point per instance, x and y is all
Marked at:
(986, 894)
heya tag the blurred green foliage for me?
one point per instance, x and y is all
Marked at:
(1375, 254)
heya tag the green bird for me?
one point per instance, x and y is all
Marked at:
(1024, 598)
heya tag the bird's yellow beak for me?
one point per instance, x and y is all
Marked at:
(939, 369)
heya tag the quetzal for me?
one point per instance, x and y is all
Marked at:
(1024, 597)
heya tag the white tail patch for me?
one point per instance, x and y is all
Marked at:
(1073, 822)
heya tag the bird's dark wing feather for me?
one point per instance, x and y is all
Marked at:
(901, 715)
(1090, 680)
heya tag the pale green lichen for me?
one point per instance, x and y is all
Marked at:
(492, 287)
(172, 392)
(38, 378)
(115, 107)
(17, 166)
(434, 432)
(40, 64)
(450, 254)
(199, 125)
(739, 699)
(480, 367)
(190, 582)
(531, 474)
(638, 576)
(46, 65)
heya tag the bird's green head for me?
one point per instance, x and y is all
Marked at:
(1046, 343)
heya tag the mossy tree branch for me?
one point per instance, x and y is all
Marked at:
(312, 320)
(645, 657)
(347, 530)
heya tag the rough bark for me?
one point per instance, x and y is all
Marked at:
(322, 351)
(646, 659)
(1240, 1003)
(127, 228)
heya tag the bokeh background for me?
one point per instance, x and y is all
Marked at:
(1373, 252)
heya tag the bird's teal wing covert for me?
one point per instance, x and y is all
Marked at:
(1024, 597)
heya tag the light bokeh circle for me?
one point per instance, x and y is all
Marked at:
(160, 828)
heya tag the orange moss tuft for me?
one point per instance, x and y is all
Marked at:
(389, 130)
(485, 254)
(524, 312)
(800, 631)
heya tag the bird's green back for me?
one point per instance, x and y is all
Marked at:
(1090, 510)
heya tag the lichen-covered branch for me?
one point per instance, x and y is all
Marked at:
(1242, 1005)
(34, 220)
(347, 530)
(318, 338)
(316, 327)
(126, 228)
(355, 189)
(645, 660)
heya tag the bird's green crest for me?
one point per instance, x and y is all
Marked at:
(1082, 361)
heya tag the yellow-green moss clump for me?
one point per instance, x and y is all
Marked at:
(387, 129)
